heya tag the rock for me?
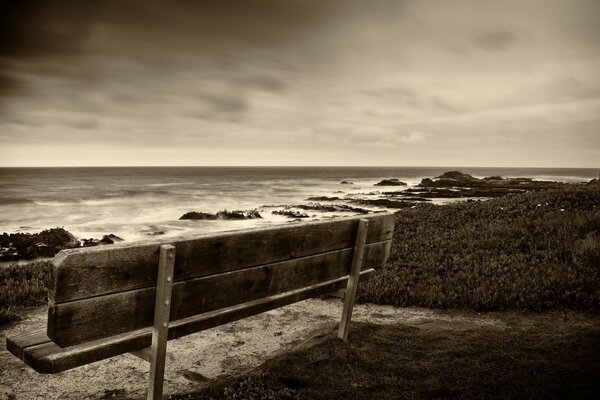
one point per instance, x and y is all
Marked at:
(47, 243)
(426, 182)
(290, 213)
(156, 233)
(593, 182)
(346, 183)
(456, 176)
(492, 186)
(252, 214)
(110, 239)
(330, 208)
(390, 182)
(198, 216)
(322, 198)
(385, 203)
(223, 215)
(90, 242)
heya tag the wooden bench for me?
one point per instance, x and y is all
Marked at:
(109, 300)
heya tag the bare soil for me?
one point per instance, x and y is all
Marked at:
(392, 353)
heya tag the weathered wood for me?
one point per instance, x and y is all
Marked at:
(89, 319)
(16, 344)
(49, 358)
(144, 354)
(88, 272)
(160, 329)
(357, 261)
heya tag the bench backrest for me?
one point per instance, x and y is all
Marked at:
(108, 290)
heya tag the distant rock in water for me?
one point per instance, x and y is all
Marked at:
(346, 183)
(496, 185)
(493, 178)
(456, 176)
(198, 215)
(290, 213)
(385, 203)
(110, 239)
(322, 198)
(594, 181)
(221, 215)
(18, 246)
(331, 208)
(106, 239)
(390, 182)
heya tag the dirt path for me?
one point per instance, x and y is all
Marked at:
(224, 351)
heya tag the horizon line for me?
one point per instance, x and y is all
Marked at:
(288, 166)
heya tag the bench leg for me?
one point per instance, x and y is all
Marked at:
(160, 330)
(350, 295)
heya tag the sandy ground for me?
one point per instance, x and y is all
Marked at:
(197, 359)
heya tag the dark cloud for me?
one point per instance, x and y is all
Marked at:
(71, 39)
(495, 39)
(264, 82)
(226, 104)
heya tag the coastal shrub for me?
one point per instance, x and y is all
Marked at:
(23, 286)
(536, 250)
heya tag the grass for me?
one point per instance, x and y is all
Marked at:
(22, 286)
(534, 251)
(547, 358)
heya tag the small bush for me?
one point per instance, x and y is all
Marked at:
(23, 286)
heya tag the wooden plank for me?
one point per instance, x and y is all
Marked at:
(50, 358)
(357, 261)
(160, 329)
(144, 354)
(88, 272)
(89, 319)
(16, 344)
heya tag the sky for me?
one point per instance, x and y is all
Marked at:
(300, 82)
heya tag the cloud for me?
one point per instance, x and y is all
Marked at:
(294, 77)
(412, 137)
(495, 39)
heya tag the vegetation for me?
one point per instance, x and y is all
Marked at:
(23, 286)
(536, 250)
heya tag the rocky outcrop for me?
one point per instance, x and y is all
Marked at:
(106, 239)
(17, 246)
(390, 182)
(385, 203)
(290, 213)
(221, 215)
(322, 198)
(492, 186)
(346, 183)
(330, 208)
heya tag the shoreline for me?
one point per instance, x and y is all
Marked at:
(386, 194)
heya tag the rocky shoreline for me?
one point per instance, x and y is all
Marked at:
(449, 186)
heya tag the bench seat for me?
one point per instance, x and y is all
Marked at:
(43, 355)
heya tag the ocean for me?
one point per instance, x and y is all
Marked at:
(137, 203)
